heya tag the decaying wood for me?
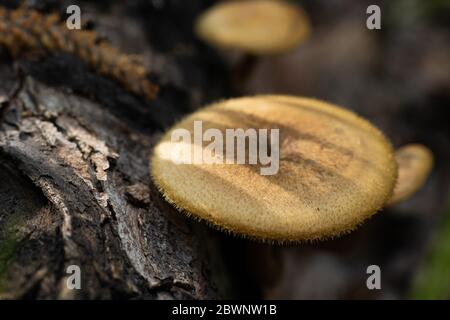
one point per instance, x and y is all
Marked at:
(75, 188)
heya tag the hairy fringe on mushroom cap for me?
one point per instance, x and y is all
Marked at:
(25, 31)
(415, 163)
(336, 170)
(265, 240)
(255, 26)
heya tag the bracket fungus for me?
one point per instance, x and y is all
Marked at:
(335, 170)
(415, 162)
(254, 26)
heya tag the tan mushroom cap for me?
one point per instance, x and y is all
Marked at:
(255, 26)
(415, 162)
(335, 171)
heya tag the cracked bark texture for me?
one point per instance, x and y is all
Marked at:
(74, 179)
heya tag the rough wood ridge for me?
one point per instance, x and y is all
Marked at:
(26, 31)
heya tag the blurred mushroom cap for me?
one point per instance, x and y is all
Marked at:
(254, 26)
(335, 170)
(415, 163)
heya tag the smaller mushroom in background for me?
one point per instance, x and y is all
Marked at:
(254, 28)
(415, 162)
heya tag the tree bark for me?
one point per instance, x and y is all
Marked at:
(75, 187)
